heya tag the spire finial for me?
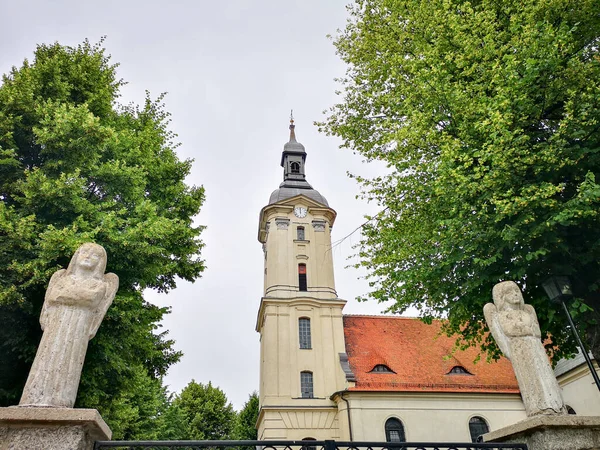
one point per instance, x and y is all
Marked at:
(292, 126)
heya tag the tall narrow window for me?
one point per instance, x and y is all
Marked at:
(394, 431)
(306, 384)
(300, 233)
(302, 286)
(295, 167)
(304, 332)
(477, 427)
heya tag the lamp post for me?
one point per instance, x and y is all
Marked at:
(558, 289)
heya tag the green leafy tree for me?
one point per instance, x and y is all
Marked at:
(76, 166)
(208, 413)
(172, 424)
(247, 418)
(487, 114)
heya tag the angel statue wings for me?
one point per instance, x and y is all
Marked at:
(75, 304)
(516, 330)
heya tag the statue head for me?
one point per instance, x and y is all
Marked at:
(89, 260)
(507, 294)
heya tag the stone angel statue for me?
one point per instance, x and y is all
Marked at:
(75, 304)
(516, 330)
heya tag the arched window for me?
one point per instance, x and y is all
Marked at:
(394, 431)
(300, 233)
(477, 427)
(306, 384)
(304, 332)
(302, 284)
(308, 447)
(295, 166)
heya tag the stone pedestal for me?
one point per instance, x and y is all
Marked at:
(561, 432)
(34, 428)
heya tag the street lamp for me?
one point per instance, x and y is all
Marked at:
(558, 289)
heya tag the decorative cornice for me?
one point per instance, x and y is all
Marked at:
(319, 225)
(287, 206)
(282, 223)
(309, 301)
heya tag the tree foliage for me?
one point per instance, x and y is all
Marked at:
(247, 418)
(76, 166)
(487, 114)
(207, 412)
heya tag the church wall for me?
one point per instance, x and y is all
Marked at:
(429, 416)
(580, 392)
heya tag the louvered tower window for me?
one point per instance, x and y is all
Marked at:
(304, 332)
(302, 285)
(306, 384)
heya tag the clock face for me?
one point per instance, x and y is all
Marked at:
(300, 211)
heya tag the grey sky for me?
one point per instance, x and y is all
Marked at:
(232, 70)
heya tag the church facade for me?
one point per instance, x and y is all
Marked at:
(324, 375)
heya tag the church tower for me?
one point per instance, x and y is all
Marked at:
(300, 316)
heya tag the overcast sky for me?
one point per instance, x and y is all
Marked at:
(233, 70)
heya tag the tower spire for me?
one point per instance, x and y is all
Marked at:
(292, 127)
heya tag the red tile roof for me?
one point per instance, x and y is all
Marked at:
(420, 356)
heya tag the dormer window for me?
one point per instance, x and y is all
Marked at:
(459, 370)
(295, 167)
(381, 368)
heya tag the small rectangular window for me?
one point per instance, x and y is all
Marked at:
(302, 283)
(300, 233)
(306, 384)
(304, 332)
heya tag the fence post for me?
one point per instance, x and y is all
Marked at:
(330, 445)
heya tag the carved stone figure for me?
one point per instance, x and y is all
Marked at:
(76, 301)
(516, 330)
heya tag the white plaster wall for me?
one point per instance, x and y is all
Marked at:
(433, 417)
(580, 392)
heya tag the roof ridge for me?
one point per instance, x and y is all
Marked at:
(382, 316)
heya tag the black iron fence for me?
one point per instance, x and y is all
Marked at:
(299, 445)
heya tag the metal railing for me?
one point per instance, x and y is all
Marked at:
(300, 445)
